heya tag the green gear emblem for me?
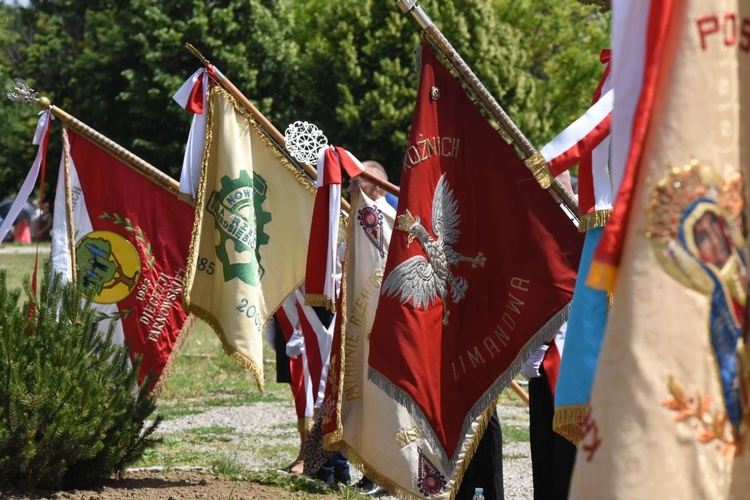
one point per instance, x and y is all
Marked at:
(239, 216)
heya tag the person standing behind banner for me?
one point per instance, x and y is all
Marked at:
(44, 223)
(22, 231)
(552, 456)
(276, 339)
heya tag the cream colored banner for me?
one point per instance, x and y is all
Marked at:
(249, 245)
(669, 403)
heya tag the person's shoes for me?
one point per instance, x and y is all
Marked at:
(345, 479)
(377, 491)
(366, 486)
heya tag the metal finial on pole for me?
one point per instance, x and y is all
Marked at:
(533, 159)
(22, 92)
(197, 54)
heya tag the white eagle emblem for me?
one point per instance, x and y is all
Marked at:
(421, 281)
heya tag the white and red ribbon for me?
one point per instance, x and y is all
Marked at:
(192, 97)
(320, 275)
(580, 137)
(41, 135)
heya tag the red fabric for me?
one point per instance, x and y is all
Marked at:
(582, 149)
(316, 273)
(605, 57)
(609, 250)
(157, 225)
(195, 101)
(581, 154)
(312, 350)
(296, 367)
(532, 251)
(22, 232)
(551, 364)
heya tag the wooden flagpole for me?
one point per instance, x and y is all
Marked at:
(272, 131)
(533, 159)
(111, 146)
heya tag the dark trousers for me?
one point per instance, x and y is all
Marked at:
(486, 467)
(335, 469)
(552, 456)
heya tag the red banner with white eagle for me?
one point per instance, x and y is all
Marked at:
(480, 269)
(131, 238)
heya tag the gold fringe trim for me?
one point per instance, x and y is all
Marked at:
(278, 152)
(482, 422)
(399, 492)
(200, 196)
(593, 220)
(334, 441)
(186, 198)
(176, 348)
(602, 276)
(229, 349)
(392, 488)
(319, 300)
(487, 400)
(567, 421)
(539, 169)
(304, 424)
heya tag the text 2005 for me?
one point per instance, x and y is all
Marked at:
(250, 311)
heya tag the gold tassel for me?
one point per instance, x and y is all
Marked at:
(319, 300)
(539, 169)
(567, 421)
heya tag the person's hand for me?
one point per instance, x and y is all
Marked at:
(296, 344)
(531, 367)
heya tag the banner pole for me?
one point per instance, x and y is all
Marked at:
(273, 131)
(111, 146)
(533, 159)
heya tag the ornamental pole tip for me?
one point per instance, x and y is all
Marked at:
(43, 103)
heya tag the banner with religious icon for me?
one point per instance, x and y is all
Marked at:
(669, 404)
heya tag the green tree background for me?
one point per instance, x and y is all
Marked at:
(346, 66)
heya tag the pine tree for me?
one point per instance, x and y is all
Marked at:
(71, 412)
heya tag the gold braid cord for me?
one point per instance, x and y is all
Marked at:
(69, 207)
(298, 173)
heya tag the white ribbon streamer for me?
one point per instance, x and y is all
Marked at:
(191, 163)
(28, 184)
